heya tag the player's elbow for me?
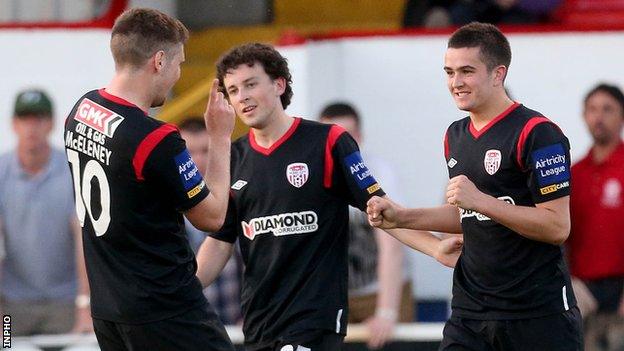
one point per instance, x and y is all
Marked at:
(213, 222)
(560, 234)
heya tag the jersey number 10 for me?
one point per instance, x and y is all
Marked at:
(82, 191)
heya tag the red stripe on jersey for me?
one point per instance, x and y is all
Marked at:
(280, 141)
(528, 127)
(118, 100)
(477, 133)
(447, 149)
(334, 133)
(146, 147)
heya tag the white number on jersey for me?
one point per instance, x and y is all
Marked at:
(83, 192)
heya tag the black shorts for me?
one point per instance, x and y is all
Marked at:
(312, 341)
(558, 332)
(197, 329)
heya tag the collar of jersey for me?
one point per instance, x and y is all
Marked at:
(477, 133)
(280, 141)
(118, 100)
(614, 158)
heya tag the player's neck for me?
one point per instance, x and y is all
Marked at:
(33, 161)
(483, 115)
(273, 131)
(131, 87)
(601, 152)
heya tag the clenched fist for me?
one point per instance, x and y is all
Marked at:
(461, 192)
(382, 213)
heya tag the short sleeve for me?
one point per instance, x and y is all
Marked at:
(171, 167)
(544, 152)
(229, 230)
(352, 178)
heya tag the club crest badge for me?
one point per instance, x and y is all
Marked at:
(297, 174)
(492, 161)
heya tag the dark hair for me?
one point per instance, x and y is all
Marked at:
(193, 124)
(274, 64)
(139, 33)
(612, 90)
(340, 109)
(494, 46)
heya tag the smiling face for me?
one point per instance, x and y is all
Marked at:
(469, 80)
(254, 95)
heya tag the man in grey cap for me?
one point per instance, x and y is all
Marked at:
(43, 284)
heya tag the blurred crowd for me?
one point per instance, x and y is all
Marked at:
(444, 13)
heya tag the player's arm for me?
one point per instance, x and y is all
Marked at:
(82, 321)
(394, 219)
(209, 214)
(543, 152)
(547, 222)
(217, 248)
(386, 214)
(211, 258)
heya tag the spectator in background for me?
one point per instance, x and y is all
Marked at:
(443, 13)
(380, 293)
(43, 280)
(596, 244)
(224, 292)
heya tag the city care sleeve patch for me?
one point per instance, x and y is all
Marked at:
(546, 156)
(354, 179)
(171, 170)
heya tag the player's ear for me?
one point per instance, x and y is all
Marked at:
(500, 73)
(280, 85)
(159, 60)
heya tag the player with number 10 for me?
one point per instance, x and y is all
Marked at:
(133, 180)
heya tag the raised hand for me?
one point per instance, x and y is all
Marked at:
(219, 115)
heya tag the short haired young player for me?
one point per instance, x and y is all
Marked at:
(133, 179)
(509, 169)
(292, 182)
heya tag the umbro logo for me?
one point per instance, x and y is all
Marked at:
(239, 184)
(451, 163)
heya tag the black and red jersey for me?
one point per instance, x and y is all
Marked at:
(522, 158)
(132, 178)
(289, 211)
